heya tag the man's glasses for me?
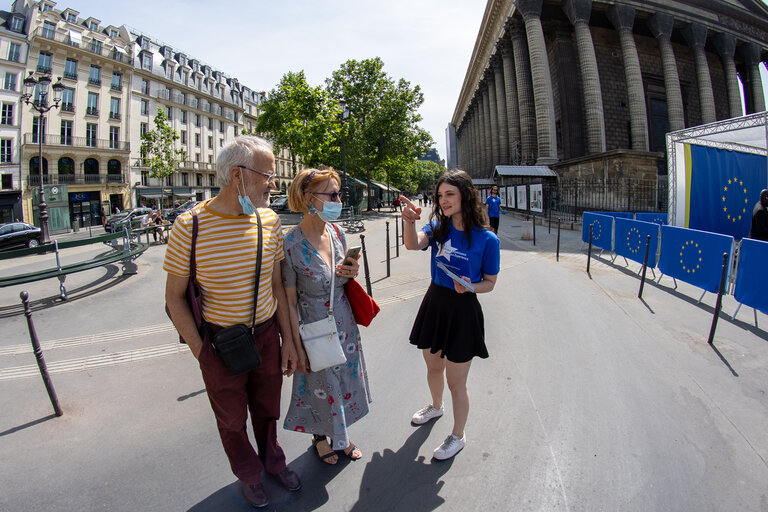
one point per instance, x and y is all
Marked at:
(335, 196)
(270, 177)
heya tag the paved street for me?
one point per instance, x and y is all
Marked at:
(592, 400)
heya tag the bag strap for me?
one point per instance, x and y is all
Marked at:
(192, 259)
(258, 270)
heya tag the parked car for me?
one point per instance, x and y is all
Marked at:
(19, 234)
(170, 216)
(133, 217)
(280, 204)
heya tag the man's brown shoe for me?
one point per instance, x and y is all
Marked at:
(289, 479)
(255, 494)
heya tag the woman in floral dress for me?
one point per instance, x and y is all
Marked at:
(324, 403)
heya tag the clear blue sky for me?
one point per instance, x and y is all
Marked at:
(427, 42)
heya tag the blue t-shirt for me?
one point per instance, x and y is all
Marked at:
(493, 202)
(456, 254)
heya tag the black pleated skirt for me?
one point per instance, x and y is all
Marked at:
(450, 324)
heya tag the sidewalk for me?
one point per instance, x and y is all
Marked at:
(591, 399)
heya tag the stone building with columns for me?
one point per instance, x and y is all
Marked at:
(590, 88)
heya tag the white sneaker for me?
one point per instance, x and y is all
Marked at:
(424, 415)
(450, 447)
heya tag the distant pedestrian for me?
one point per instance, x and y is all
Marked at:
(420, 198)
(227, 250)
(449, 327)
(493, 208)
(103, 217)
(759, 230)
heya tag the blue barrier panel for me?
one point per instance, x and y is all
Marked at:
(630, 237)
(602, 232)
(693, 256)
(752, 274)
(658, 218)
(618, 215)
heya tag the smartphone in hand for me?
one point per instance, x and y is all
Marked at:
(352, 253)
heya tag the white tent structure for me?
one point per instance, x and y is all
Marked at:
(747, 134)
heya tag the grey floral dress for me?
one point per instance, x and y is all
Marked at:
(328, 401)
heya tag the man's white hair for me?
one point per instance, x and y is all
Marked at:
(239, 152)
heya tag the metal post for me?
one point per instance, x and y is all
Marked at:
(387, 248)
(365, 267)
(549, 229)
(589, 252)
(533, 218)
(645, 266)
(39, 355)
(42, 205)
(719, 303)
(397, 240)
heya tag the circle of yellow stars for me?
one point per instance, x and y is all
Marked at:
(597, 228)
(634, 248)
(735, 184)
(690, 243)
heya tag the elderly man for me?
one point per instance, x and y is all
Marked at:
(759, 230)
(226, 252)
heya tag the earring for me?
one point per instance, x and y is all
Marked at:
(312, 210)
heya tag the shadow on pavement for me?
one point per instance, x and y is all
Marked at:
(27, 425)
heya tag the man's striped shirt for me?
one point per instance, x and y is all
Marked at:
(226, 262)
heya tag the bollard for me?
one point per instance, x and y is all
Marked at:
(719, 303)
(549, 229)
(558, 239)
(402, 230)
(533, 218)
(365, 267)
(589, 252)
(645, 266)
(397, 240)
(39, 355)
(387, 248)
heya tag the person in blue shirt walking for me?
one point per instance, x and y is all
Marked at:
(449, 327)
(493, 207)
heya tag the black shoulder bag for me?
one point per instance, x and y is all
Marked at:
(235, 345)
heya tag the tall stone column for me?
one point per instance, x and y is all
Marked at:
(513, 112)
(696, 35)
(460, 144)
(661, 27)
(623, 18)
(544, 100)
(487, 132)
(478, 146)
(501, 110)
(726, 46)
(490, 80)
(525, 100)
(472, 141)
(750, 52)
(578, 11)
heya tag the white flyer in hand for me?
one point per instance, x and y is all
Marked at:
(463, 282)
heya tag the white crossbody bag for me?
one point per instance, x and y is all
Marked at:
(320, 338)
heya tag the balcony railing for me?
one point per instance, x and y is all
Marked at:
(197, 166)
(116, 87)
(33, 180)
(48, 33)
(81, 142)
(163, 94)
(70, 76)
(111, 51)
(44, 68)
(114, 115)
(67, 107)
(95, 48)
(92, 111)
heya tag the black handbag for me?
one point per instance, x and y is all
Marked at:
(235, 345)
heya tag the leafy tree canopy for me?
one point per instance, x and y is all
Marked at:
(158, 148)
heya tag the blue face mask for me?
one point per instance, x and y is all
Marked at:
(245, 201)
(331, 211)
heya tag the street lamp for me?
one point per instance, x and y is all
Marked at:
(343, 119)
(40, 85)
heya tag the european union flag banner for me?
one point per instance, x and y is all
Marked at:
(602, 230)
(658, 218)
(724, 186)
(752, 274)
(618, 215)
(693, 256)
(630, 239)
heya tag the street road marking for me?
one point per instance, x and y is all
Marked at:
(88, 363)
(90, 339)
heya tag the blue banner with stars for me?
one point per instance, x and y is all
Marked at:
(693, 256)
(630, 239)
(752, 274)
(602, 230)
(658, 218)
(725, 185)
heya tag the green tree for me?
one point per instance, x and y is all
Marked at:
(302, 119)
(383, 139)
(158, 148)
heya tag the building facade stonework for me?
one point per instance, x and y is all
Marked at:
(591, 87)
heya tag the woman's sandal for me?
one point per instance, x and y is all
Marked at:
(326, 456)
(353, 452)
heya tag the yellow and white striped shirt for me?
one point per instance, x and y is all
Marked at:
(226, 262)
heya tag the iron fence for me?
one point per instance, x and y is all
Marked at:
(572, 197)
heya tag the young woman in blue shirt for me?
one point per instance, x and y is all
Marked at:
(493, 207)
(449, 327)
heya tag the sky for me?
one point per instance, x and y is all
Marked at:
(427, 42)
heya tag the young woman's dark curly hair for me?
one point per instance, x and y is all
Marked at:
(472, 211)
